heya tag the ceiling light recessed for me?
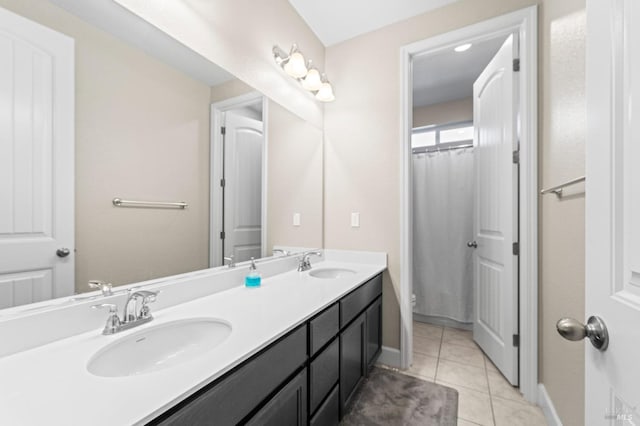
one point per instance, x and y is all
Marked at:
(462, 47)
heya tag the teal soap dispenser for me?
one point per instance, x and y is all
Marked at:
(253, 278)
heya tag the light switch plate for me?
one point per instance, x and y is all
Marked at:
(296, 219)
(355, 220)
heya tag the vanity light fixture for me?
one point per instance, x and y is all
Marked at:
(312, 81)
(462, 47)
(325, 93)
(294, 64)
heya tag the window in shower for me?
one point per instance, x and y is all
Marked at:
(442, 137)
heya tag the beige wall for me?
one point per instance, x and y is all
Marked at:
(241, 42)
(562, 156)
(443, 113)
(142, 132)
(229, 89)
(362, 165)
(296, 188)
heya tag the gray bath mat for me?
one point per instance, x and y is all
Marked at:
(389, 398)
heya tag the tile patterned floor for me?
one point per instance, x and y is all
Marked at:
(450, 357)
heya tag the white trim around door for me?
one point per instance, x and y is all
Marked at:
(524, 23)
(215, 192)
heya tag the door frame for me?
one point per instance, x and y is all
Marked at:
(215, 171)
(524, 22)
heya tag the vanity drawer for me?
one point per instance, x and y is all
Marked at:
(329, 412)
(324, 373)
(287, 408)
(323, 328)
(355, 302)
(231, 399)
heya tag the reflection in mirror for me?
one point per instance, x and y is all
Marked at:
(137, 128)
(239, 172)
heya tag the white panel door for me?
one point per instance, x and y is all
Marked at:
(242, 222)
(36, 162)
(612, 378)
(495, 221)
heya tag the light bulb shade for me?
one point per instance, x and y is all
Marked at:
(325, 94)
(296, 65)
(312, 81)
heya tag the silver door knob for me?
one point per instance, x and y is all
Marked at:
(63, 252)
(472, 244)
(595, 330)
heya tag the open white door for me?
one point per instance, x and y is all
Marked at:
(495, 222)
(612, 379)
(36, 162)
(242, 221)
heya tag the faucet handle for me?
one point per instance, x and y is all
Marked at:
(104, 286)
(113, 321)
(147, 297)
(229, 259)
(112, 307)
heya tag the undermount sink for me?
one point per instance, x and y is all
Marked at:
(330, 273)
(159, 347)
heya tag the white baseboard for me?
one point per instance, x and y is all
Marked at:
(390, 357)
(544, 401)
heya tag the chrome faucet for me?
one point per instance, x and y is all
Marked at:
(305, 263)
(132, 314)
(231, 263)
(131, 317)
(281, 251)
(105, 287)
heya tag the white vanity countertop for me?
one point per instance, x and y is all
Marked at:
(50, 384)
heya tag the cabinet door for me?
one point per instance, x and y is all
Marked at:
(374, 331)
(287, 408)
(323, 374)
(352, 359)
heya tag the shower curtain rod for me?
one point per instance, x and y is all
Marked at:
(427, 150)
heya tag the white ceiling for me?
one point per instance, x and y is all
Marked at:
(449, 76)
(334, 21)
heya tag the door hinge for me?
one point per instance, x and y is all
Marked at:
(222, 235)
(516, 157)
(223, 130)
(516, 65)
(223, 182)
(516, 249)
(516, 340)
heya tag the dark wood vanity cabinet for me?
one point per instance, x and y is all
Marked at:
(231, 399)
(361, 339)
(306, 377)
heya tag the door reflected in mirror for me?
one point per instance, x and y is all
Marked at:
(96, 116)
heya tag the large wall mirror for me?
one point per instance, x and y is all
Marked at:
(148, 114)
